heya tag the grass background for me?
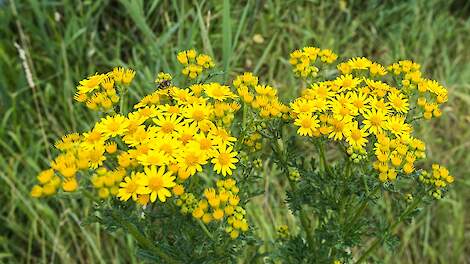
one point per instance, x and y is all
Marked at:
(64, 41)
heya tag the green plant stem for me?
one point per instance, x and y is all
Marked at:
(321, 151)
(362, 207)
(391, 229)
(135, 233)
(204, 228)
(140, 238)
(303, 217)
(123, 100)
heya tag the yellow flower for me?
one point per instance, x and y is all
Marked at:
(45, 176)
(155, 183)
(154, 157)
(347, 82)
(197, 112)
(191, 159)
(398, 102)
(339, 127)
(374, 121)
(128, 188)
(112, 126)
(220, 136)
(218, 92)
(218, 214)
(96, 156)
(377, 69)
(397, 125)
(224, 160)
(168, 123)
(205, 61)
(128, 76)
(178, 190)
(356, 137)
(328, 56)
(308, 124)
(118, 73)
(91, 83)
(359, 101)
(70, 185)
(36, 191)
(359, 63)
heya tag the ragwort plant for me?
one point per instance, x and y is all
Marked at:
(177, 169)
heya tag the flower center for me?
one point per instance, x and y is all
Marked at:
(168, 127)
(306, 123)
(198, 115)
(156, 183)
(356, 134)
(224, 159)
(191, 159)
(375, 120)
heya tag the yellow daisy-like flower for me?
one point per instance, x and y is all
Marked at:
(191, 158)
(398, 102)
(359, 101)
(302, 105)
(218, 91)
(339, 127)
(167, 124)
(128, 187)
(112, 126)
(356, 137)
(154, 157)
(91, 83)
(308, 124)
(197, 112)
(155, 183)
(220, 136)
(347, 82)
(374, 121)
(128, 76)
(397, 125)
(224, 160)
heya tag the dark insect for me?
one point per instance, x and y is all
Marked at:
(163, 84)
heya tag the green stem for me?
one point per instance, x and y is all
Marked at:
(141, 239)
(321, 151)
(204, 228)
(362, 208)
(304, 221)
(391, 229)
(123, 100)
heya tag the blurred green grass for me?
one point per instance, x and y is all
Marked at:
(64, 41)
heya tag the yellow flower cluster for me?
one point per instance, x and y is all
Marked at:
(261, 97)
(361, 63)
(223, 203)
(304, 60)
(194, 63)
(430, 93)
(283, 232)
(150, 153)
(253, 141)
(370, 114)
(98, 92)
(438, 178)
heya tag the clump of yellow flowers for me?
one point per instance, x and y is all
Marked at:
(369, 109)
(178, 169)
(152, 153)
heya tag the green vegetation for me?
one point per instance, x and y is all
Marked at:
(64, 41)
